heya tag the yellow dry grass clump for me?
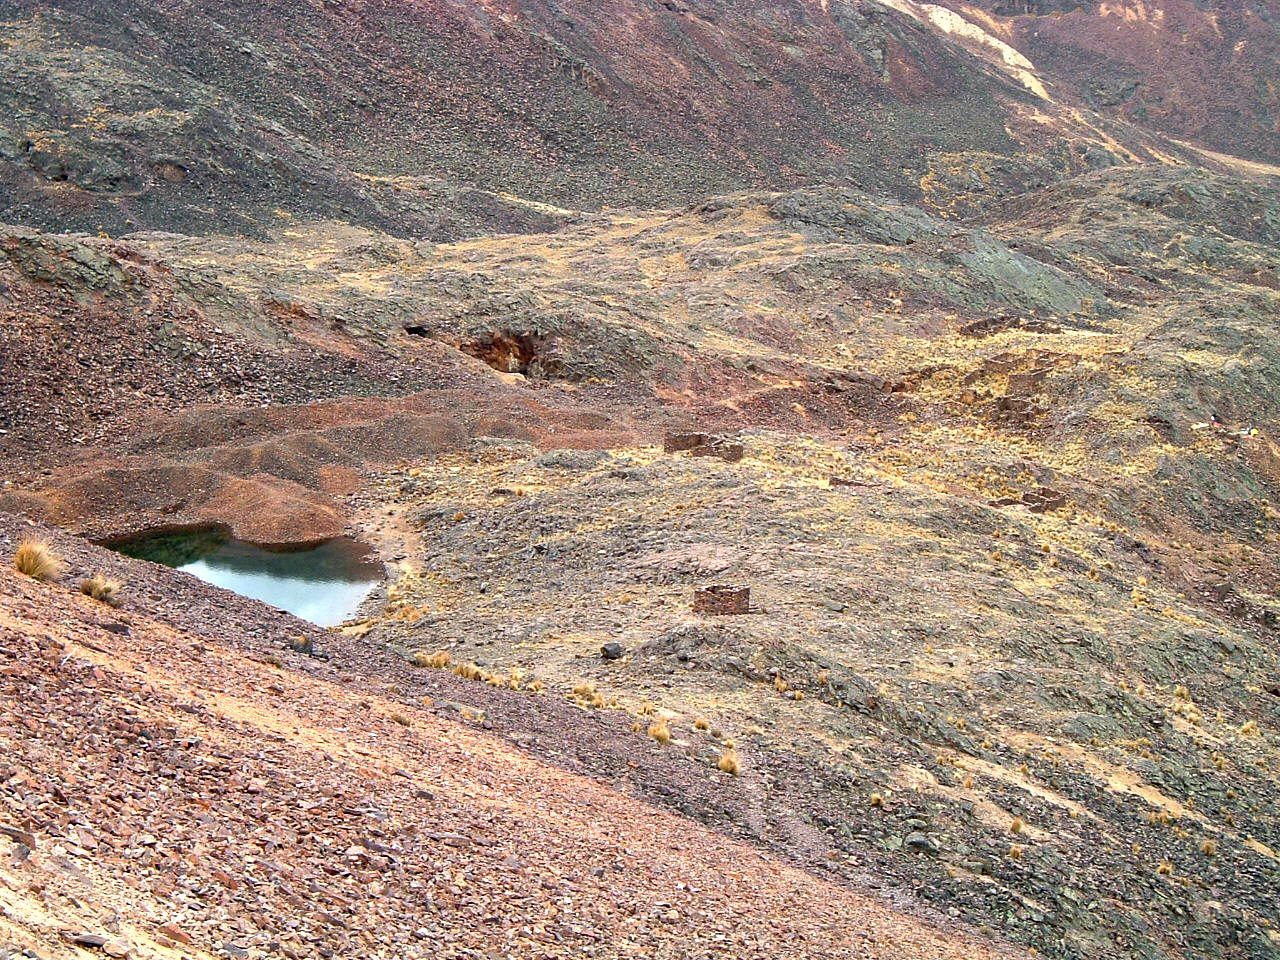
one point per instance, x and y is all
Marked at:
(438, 660)
(585, 694)
(101, 588)
(659, 731)
(729, 763)
(38, 560)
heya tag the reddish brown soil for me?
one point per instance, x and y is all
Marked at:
(127, 406)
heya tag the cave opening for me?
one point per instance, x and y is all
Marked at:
(506, 352)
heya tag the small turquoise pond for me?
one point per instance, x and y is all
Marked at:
(324, 584)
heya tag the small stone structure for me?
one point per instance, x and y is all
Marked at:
(676, 442)
(704, 445)
(1040, 500)
(726, 450)
(722, 599)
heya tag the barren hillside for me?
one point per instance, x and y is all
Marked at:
(946, 332)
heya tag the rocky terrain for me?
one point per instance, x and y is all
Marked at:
(946, 330)
(1200, 71)
(289, 806)
(448, 119)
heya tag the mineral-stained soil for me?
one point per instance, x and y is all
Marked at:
(1204, 71)
(170, 401)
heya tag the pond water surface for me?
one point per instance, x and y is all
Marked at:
(324, 584)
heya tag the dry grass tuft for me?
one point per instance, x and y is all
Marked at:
(1016, 851)
(438, 660)
(1165, 869)
(1017, 826)
(102, 588)
(586, 695)
(301, 644)
(729, 763)
(876, 800)
(469, 671)
(38, 560)
(702, 724)
(659, 731)
(1209, 847)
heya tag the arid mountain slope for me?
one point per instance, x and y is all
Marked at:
(1000, 352)
(211, 795)
(1200, 71)
(1053, 313)
(1008, 506)
(432, 118)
